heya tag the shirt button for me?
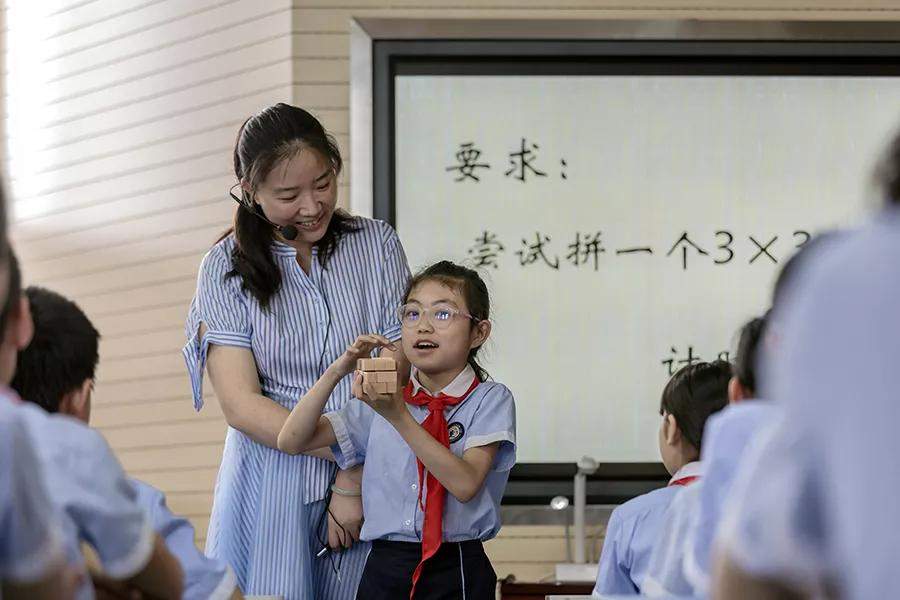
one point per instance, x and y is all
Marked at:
(414, 486)
(408, 522)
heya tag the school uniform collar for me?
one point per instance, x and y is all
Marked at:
(690, 470)
(456, 388)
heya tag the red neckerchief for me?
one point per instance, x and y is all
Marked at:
(684, 480)
(436, 425)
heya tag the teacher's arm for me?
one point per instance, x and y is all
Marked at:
(235, 379)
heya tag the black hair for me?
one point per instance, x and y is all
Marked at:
(749, 353)
(62, 354)
(265, 139)
(693, 394)
(473, 289)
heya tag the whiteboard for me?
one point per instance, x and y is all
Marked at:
(699, 188)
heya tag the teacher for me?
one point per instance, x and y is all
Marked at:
(279, 297)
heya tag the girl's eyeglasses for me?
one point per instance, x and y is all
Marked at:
(440, 315)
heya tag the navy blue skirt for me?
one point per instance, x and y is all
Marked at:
(459, 571)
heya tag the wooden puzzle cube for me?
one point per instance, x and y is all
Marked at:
(380, 373)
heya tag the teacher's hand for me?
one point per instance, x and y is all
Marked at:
(345, 511)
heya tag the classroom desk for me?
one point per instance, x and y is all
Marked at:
(567, 597)
(593, 597)
(540, 591)
(564, 597)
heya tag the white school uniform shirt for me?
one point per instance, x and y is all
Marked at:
(205, 578)
(665, 574)
(92, 493)
(818, 498)
(390, 485)
(726, 438)
(631, 534)
(30, 541)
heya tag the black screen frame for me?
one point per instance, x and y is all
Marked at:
(613, 483)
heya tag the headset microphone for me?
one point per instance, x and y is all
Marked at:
(288, 232)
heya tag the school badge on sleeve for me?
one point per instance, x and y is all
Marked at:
(456, 431)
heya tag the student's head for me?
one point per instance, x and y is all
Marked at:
(288, 167)
(56, 370)
(16, 321)
(691, 396)
(744, 382)
(445, 316)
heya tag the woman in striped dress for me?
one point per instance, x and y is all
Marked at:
(278, 299)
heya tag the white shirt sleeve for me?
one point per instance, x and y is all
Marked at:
(495, 421)
(666, 575)
(205, 578)
(100, 499)
(30, 544)
(773, 525)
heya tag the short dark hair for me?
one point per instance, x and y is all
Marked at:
(749, 353)
(62, 354)
(694, 393)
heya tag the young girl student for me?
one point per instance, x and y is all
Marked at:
(437, 453)
(691, 396)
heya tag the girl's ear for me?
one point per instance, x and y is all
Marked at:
(247, 191)
(671, 431)
(480, 333)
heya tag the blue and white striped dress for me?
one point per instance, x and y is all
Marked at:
(267, 503)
